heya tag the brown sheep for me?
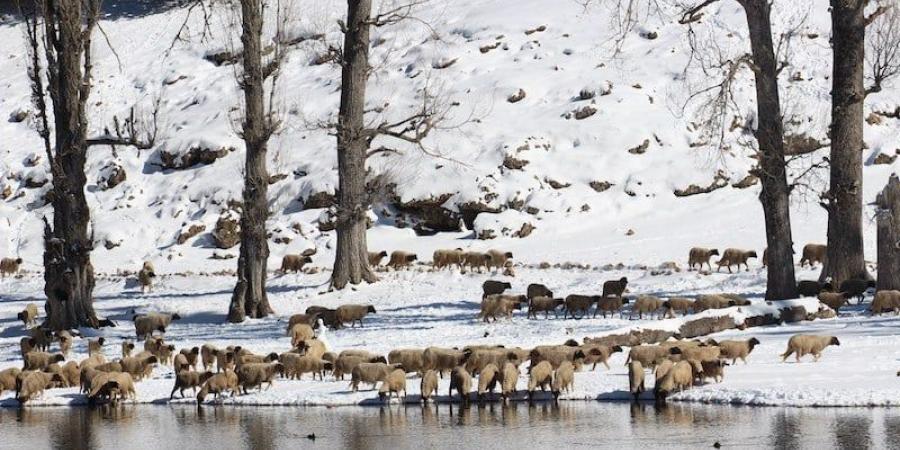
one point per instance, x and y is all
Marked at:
(310, 319)
(834, 300)
(401, 260)
(563, 378)
(711, 301)
(219, 384)
(9, 266)
(447, 258)
(65, 341)
(712, 369)
(635, 379)
(491, 287)
(476, 260)
(646, 304)
(735, 257)
(301, 332)
(375, 258)
(34, 383)
(737, 349)
(40, 360)
(648, 355)
(327, 315)
(461, 381)
(112, 366)
(127, 348)
(599, 354)
(681, 304)
(488, 379)
(807, 344)
(41, 338)
(442, 359)
(498, 259)
(312, 347)
(409, 359)
(509, 379)
(541, 377)
(579, 304)
(251, 375)
(71, 373)
(28, 316)
(429, 385)
(500, 305)
(8, 379)
(146, 324)
(353, 314)
(699, 256)
(346, 363)
(26, 344)
(476, 359)
(538, 290)
(615, 288)
(813, 254)
(556, 355)
(294, 263)
(370, 373)
(146, 276)
(680, 376)
(886, 301)
(139, 367)
(296, 367)
(394, 383)
(225, 360)
(610, 305)
(189, 380)
(545, 304)
(95, 346)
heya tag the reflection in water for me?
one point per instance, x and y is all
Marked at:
(488, 426)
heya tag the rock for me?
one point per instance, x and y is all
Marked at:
(227, 233)
(586, 94)
(327, 221)
(319, 200)
(600, 186)
(487, 48)
(874, 119)
(192, 231)
(536, 30)
(35, 179)
(111, 176)
(111, 244)
(6, 192)
(720, 181)
(193, 157)
(513, 163)
(509, 223)
(747, 181)
(704, 326)
(884, 158)
(18, 115)
(649, 35)
(801, 144)
(793, 314)
(443, 63)
(525, 231)
(584, 112)
(222, 58)
(556, 184)
(516, 97)
(32, 160)
(430, 214)
(277, 177)
(630, 232)
(640, 149)
(469, 211)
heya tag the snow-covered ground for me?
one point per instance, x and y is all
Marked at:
(419, 309)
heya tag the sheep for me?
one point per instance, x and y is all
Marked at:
(737, 300)
(370, 373)
(146, 324)
(635, 379)
(410, 359)
(712, 369)
(476, 260)
(885, 301)
(487, 380)
(678, 304)
(139, 366)
(646, 304)
(441, 359)
(856, 287)
(545, 304)
(40, 360)
(309, 319)
(576, 303)
(365, 354)
(735, 257)
(71, 373)
(353, 313)
(500, 305)
(251, 375)
(647, 355)
(127, 348)
(146, 276)
(461, 381)
(498, 259)
(296, 367)
(207, 356)
(711, 301)
(95, 346)
(112, 385)
(312, 347)
(9, 266)
(610, 305)
(301, 332)
(835, 300)
(491, 287)
(395, 382)
(813, 253)
(34, 383)
(189, 379)
(219, 384)
(294, 263)
(86, 377)
(8, 379)
(807, 344)
(328, 315)
(535, 290)
(180, 363)
(401, 260)
(563, 378)
(478, 358)
(541, 377)
(659, 373)
(28, 316)
(375, 258)
(429, 385)
(345, 364)
(737, 349)
(447, 258)
(92, 361)
(65, 341)
(696, 353)
(249, 358)
(811, 288)
(615, 288)
(680, 376)
(508, 380)
(556, 355)
(41, 338)
(599, 354)
(26, 344)
(224, 360)
(113, 366)
(699, 256)
(165, 354)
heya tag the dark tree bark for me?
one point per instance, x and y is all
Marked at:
(249, 298)
(775, 195)
(843, 200)
(888, 218)
(351, 263)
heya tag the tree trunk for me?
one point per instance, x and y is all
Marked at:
(249, 297)
(845, 259)
(775, 195)
(351, 260)
(888, 217)
(68, 273)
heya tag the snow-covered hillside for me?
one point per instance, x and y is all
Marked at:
(597, 190)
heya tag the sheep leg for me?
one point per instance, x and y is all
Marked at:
(784, 357)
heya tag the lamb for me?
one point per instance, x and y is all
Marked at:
(146, 276)
(294, 263)
(487, 380)
(127, 348)
(647, 355)
(813, 254)
(353, 313)
(576, 303)
(556, 355)
(447, 258)
(699, 256)
(807, 344)
(375, 258)
(401, 260)
(538, 290)
(509, 379)
(474, 260)
(410, 359)
(886, 301)
(28, 316)
(10, 266)
(681, 304)
(491, 287)
(301, 332)
(835, 300)
(139, 366)
(498, 259)
(429, 386)
(615, 288)
(34, 383)
(461, 381)
(395, 382)
(65, 341)
(545, 304)
(218, 384)
(309, 319)
(328, 315)
(811, 288)
(40, 360)
(8, 379)
(71, 373)
(146, 324)
(735, 257)
(646, 304)
(737, 349)
(95, 346)
(296, 367)
(541, 376)
(681, 375)
(187, 379)
(563, 378)
(251, 375)
(370, 373)
(599, 354)
(610, 305)
(442, 359)
(635, 379)
(42, 338)
(711, 301)
(712, 369)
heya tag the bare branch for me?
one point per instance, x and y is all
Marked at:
(694, 13)
(135, 132)
(38, 93)
(883, 47)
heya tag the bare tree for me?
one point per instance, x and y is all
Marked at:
(260, 121)
(58, 35)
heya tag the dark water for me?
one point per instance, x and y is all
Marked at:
(572, 425)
